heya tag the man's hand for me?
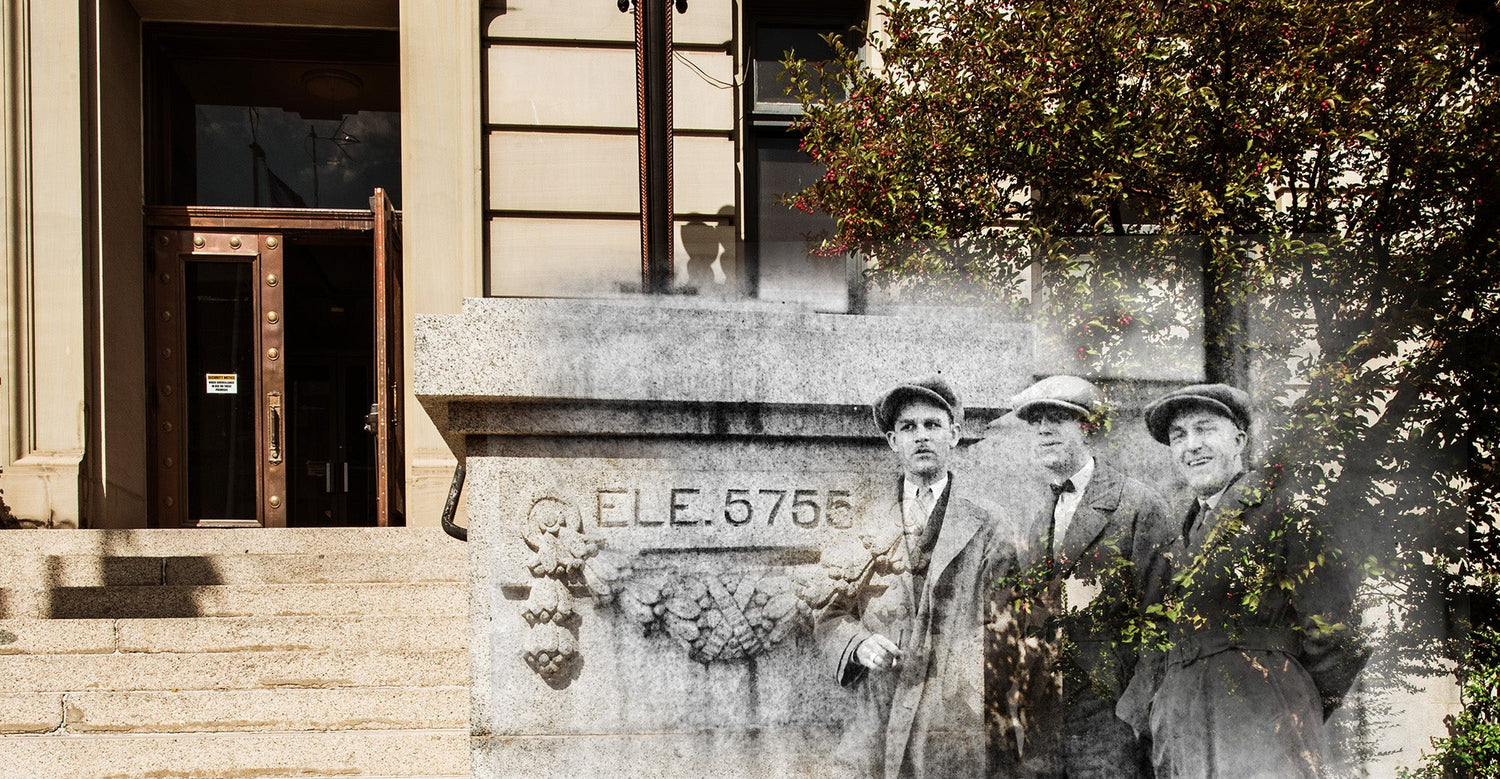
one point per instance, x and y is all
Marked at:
(877, 653)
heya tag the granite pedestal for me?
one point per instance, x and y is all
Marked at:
(651, 487)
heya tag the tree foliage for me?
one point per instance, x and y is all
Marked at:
(1309, 186)
(1473, 747)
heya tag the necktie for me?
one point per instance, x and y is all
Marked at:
(918, 510)
(1197, 523)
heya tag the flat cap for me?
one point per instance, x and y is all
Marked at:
(934, 389)
(1221, 399)
(1069, 393)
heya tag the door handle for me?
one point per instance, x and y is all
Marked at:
(273, 421)
(346, 476)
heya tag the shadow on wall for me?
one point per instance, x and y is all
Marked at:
(711, 252)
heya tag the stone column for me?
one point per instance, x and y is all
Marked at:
(440, 135)
(652, 488)
(44, 253)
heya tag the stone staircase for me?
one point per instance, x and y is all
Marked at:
(233, 653)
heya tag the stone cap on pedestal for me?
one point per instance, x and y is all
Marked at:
(657, 353)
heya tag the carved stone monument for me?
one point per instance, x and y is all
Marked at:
(652, 486)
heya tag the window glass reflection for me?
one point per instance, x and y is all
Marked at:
(249, 156)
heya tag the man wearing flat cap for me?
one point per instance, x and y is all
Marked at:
(900, 622)
(1266, 643)
(1083, 585)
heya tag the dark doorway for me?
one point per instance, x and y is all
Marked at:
(330, 383)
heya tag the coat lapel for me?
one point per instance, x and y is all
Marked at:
(958, 529)
(1100, 499)
(1036, 536)
(1237, 499)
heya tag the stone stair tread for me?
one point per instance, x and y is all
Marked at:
(215, 711)
(30, 712)
(293, 633)
(227, 600)
(231, 634)
(91, 570)
(370, 753)
(234, 670)
(200, 541)
(57, 636)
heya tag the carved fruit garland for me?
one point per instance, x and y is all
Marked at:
(559, 552)
(716, 617)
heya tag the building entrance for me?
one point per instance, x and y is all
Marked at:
(274, 291)
(277, 390)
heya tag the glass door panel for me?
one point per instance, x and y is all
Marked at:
(220, 389)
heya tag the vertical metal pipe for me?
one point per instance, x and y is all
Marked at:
(643, 173)
(653, 30)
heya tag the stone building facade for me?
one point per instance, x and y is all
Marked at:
(215, 317)
(503, 134)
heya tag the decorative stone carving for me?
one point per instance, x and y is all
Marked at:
(715, 616)
(551, 650)
(848, 567)
(729, 616)
(559, 553)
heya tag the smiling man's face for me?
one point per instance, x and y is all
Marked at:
(923, 439)
(1207, 449)
(1057, 442)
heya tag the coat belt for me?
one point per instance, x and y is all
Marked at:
(1195, 646)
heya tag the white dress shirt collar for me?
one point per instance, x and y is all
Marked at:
(909, 490)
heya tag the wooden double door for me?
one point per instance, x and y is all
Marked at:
(276, 336)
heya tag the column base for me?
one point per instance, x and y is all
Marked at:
(42, 489)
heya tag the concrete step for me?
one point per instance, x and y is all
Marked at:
(197, 711)
(228, 711)
(244, 653)
(341, 541)
(30, 712)
(168, 601)
(96, 571)
(56, 636)
(237, 634)
(233, 671)
(421, 753)
(230, 634)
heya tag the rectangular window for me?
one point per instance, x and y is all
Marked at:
(778, 238)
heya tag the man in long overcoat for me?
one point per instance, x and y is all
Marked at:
(1090, 547)
(1266, 643)
(901, 626)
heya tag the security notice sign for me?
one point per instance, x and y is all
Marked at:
(223, 383)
